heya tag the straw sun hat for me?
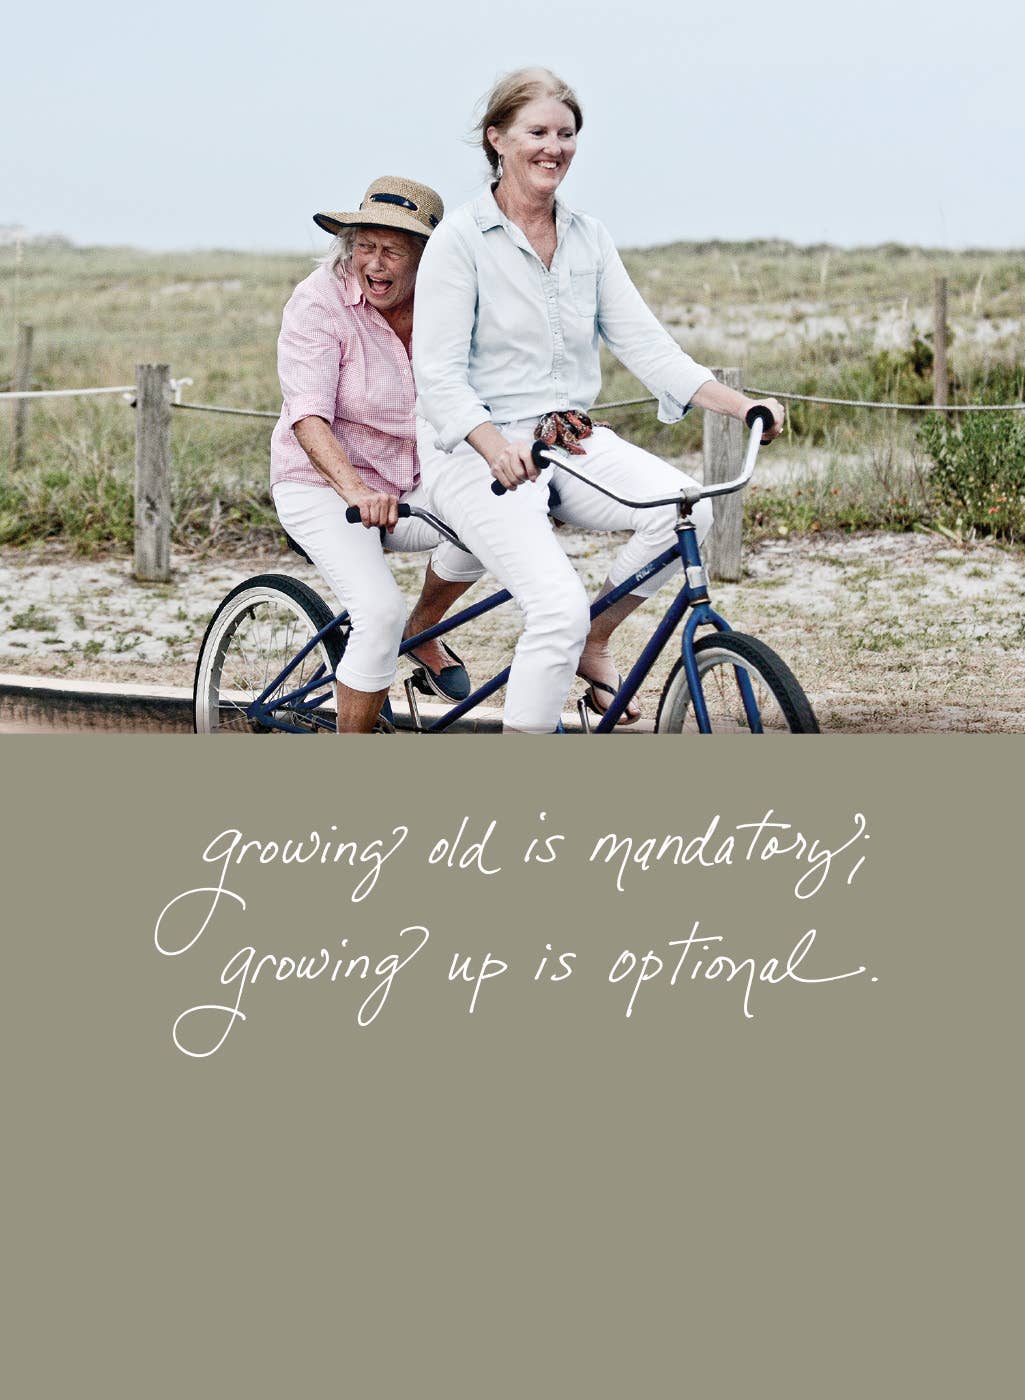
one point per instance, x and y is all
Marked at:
(392, 202)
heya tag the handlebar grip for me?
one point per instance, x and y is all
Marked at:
(759, 414)
(352, 514)
(537, 453)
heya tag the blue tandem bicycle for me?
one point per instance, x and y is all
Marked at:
(268, 658)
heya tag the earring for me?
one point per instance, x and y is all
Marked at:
(500, 167)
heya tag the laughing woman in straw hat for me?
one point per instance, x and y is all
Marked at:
(346, 438)
(514, 292)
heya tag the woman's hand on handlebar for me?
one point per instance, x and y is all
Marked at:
(513, 465)
(720, 398)
(779, 415)
(376, 508)
(510, 463)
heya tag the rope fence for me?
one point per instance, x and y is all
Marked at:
(155, 394)
(130, 390)
(238, 412)
(903, 407)
(127, 390)
(843, 403)
(65, 393)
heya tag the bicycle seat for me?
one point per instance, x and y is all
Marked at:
(294, 545)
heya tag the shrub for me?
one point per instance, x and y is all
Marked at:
(992, 383)
(882, 494)
(904, 376)
(978, 471)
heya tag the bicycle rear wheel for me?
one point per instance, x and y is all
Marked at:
(722, 657)
(256, 631)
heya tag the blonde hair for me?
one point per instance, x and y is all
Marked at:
(339, 250)
(512, 93)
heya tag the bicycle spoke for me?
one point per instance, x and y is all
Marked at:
(252, 639)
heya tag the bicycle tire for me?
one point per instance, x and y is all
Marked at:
(257, 629)
(782, 704)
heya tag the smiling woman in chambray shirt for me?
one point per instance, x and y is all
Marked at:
(532, 331)
(514, 292)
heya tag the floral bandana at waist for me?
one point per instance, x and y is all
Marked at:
(566, 429)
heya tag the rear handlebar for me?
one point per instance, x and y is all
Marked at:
(353, 516)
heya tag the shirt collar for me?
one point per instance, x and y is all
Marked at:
(489, 215)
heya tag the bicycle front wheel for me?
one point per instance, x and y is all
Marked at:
(723, 658)
(259, 628)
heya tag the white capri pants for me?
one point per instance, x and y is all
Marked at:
(513, 538)
(351, 559)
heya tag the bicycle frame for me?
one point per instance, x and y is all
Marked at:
(692, 597)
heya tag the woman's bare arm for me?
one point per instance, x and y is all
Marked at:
(720, 398)
(328, 457)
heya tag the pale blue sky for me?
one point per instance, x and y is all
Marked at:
(219, 124)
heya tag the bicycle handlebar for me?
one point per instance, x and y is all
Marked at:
(353, 516)
(537, 452)
(759, 419)
(759, 414)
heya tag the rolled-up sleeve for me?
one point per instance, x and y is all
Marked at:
(443, 321)
(309, 358)
(636, 337)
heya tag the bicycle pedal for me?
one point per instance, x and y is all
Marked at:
(410, 687)
(418, 678)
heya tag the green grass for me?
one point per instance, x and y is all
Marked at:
(33, 619)
(96, 313)
(885, 493)
(214, 317)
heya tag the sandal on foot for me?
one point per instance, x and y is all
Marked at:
(630, 715)
(450, 683)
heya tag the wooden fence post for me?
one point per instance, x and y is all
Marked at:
(153, 473)
(724, 455)
(22, 382)
(940, 379)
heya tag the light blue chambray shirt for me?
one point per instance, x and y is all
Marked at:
(498, 337)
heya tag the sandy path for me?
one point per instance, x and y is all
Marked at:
(888, 633)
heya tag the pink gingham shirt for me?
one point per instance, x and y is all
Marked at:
(338, 359)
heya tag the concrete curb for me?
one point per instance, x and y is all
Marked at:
(49, 705)
(41, 702)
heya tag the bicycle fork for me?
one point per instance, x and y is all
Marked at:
(692, 596)
(703, 614)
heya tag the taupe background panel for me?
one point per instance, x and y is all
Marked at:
(544, 1197)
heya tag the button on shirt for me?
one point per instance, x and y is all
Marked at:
(339, 359)
(499, 337)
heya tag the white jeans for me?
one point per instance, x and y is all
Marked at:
(513, 538)
(351, 559)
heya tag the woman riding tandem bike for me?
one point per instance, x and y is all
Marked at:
(514, 291)
(345, 438)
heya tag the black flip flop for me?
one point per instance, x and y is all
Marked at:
(591, 700)
(450, 683)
